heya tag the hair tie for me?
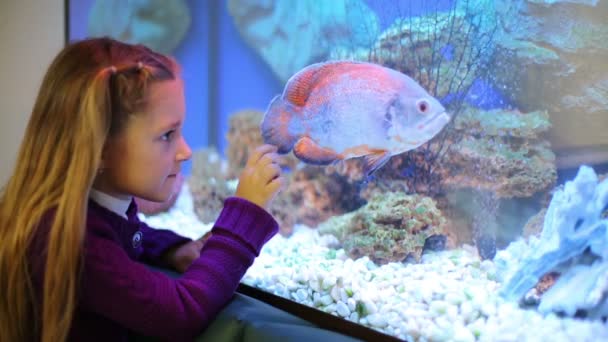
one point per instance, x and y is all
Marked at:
(112, 69)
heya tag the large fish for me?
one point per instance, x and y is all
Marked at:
(344, 109)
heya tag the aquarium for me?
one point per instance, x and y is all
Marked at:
(486, 222)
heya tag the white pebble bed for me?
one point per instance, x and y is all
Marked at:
(449, 296)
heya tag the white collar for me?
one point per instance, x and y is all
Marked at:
(114, 204)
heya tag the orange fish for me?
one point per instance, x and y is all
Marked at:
(338, 110)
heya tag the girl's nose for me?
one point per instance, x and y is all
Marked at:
(183, 152)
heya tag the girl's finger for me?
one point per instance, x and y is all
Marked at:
(272, 171)
(268, 158)
(259, 152)
(276, 184)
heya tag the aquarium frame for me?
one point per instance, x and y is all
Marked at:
(66, 22)
(317, 317)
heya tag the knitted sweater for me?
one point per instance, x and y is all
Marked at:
(119, 294)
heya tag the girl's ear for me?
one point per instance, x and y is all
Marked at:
(104, 158)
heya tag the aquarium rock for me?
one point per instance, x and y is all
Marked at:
(290, 34)
(559, 47)
(158, 24)
(388, 228)
(574, 243)
(501, 151)
(243, 137)
(208, 184)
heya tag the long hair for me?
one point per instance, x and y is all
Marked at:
(87, 95)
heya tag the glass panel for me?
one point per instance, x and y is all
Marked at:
(449, 187)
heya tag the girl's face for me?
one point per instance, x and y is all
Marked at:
(145, 157)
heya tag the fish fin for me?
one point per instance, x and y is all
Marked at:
(374, 161)
(275, 125)
(310, 152)
(300, 85)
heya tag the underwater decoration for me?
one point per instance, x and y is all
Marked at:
(339, 110)
(291, 34)
(391, 227)
(574, 244)
(160, 25)
(552, 56)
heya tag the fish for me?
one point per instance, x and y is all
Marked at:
(338, 110)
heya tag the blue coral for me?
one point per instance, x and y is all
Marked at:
(573, 242)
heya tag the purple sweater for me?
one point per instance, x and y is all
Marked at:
(119, 293)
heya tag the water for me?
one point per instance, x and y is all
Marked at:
(527, 87)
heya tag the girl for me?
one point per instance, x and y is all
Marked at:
(107, 127)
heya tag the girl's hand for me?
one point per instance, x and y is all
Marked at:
(180, 257)
(261, 179)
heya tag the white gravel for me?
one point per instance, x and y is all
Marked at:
(449, 296)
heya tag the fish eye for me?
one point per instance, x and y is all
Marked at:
(388, 117)
(423, 106)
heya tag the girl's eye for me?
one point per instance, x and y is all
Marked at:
(167, 136)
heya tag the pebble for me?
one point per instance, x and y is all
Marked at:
(342, 309)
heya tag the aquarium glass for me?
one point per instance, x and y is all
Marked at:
(493, 227)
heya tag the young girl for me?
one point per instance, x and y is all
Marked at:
(107, 127)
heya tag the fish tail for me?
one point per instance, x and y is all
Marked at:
(275, 125)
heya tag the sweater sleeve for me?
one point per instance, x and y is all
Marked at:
(156, 242)
(153, 304)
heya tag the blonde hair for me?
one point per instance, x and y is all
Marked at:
(86, 97)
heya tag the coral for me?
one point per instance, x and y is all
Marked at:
(160, 25)
(243, 137)
(291, 34)
(573, 243)
(351, 169)
(208, 184)
(316, 196)
(282, 210)
(388, 228)
(501, 151)
(502, 123)
(534, 226)
(551, 55)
